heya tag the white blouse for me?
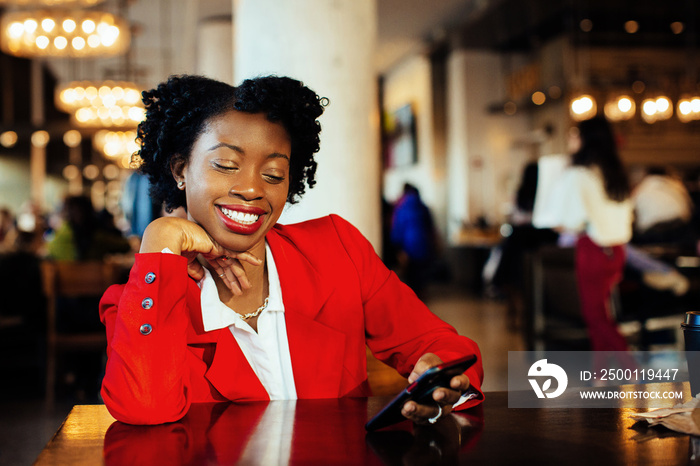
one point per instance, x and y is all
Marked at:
(580, 204)
(267, 351)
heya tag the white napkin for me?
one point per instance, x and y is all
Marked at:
(684, 418)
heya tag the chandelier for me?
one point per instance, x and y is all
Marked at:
(63, 33)
(651, 110)
(101, 104)
(51, 3)
(118, 146)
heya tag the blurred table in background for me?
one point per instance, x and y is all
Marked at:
(468, 254)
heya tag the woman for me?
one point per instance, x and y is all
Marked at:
(271, 311)
(593, 200)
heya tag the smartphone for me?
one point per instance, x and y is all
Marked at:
(420, 391)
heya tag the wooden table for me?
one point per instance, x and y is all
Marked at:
(332, 432)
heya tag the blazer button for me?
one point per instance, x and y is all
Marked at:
(145, 329)
(150, 277)
(147, 303)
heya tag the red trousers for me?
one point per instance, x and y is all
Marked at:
(598, 270)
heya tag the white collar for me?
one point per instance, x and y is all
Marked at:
(216, 315)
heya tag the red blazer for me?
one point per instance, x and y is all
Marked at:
(338, 297)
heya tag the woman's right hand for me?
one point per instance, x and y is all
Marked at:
(190, 240)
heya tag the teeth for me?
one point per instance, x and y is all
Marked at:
(240, 217)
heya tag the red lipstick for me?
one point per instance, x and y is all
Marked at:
(237, 226)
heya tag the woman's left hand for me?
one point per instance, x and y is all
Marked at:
(443, 398)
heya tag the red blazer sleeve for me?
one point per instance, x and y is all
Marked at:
(146, 379)
(399, 328)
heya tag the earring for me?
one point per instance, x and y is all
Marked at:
(180, 184)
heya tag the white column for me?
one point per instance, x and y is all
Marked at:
(37, 166)
(215, 48)
(329, 46)
(457, 146)
(37, 157)
(479, 145)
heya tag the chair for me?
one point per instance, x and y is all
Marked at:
(22, 325)
(553, 315)
(64, 283)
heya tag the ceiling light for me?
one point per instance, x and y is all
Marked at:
(677, 27)
(101, 103)
(586, 25)
(510, 108)
(631, 27)
(8, 139)
(583, 107)
(46, 33)
(72, 138)
(688, 109)
(649, 110)
(538, 98)
(620, 108)
(115, 144)
(71, 172)
(664, 108)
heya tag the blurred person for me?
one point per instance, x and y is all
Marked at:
(389, 253)
(7, 227)
(663, 209)
(524, 238)
(413, 236)
(82, 236)
(7, 221)
(23, 310)
(229, 305)
(137, 205)
(31, 224)
(592, 200)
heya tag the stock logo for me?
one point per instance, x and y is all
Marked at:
(542, 369)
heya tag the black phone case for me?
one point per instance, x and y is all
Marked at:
(420, 391)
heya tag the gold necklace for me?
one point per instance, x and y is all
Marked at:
(257, 312)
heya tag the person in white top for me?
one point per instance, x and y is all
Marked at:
(592, 199)
(663, 209)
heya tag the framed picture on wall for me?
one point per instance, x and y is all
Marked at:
(400, 148)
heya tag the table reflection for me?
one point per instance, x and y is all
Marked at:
(288, 432)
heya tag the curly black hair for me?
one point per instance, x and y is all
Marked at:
(178, 110)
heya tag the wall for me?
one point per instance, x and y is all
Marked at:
(410, 83)
(15, 188)
(333, 55)
(486, 151)
(483, 159)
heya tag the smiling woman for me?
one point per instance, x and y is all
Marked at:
(227, 304)
(237, 178)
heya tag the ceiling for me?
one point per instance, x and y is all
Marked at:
(165, 30)
(407, 26)
(513, 25)
(165, 33)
